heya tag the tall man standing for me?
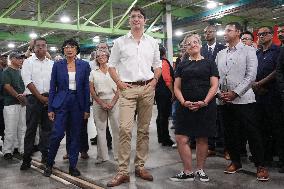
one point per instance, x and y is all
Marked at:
(237, 65)
(36, 73)
(280, 33)
(267, 95)
(209, 51)
(132, 56)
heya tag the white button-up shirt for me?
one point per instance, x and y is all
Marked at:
(133, 60)
(37, 72)
(104, 85)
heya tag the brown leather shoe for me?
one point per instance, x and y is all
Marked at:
(84, 155)
(118, 180)
(144, 174)
(232, 168)
(211, 153)
(262, 174)
(227, 155)
(66, 156)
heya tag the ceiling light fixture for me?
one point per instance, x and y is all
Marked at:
(11, 45)
(178, 33)
(65, 19)
(96, 39)
(220, 32)
(211, 4)
(53, 49)
(33, 35)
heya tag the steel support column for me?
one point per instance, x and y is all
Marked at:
(169, 31)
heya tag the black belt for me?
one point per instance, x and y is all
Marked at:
(141, 83)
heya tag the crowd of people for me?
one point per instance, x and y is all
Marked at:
(217, 95)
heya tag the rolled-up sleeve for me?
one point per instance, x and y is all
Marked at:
(114, 56)
(26, 72)
(157, 62)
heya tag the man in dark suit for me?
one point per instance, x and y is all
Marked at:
(209, 51)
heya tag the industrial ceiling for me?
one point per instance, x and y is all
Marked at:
(108, 19)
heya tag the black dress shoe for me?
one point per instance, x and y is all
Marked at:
(8, 156)
(93, 139)
(25, 166)
(74, 172)
(47, 171)
(167, 143)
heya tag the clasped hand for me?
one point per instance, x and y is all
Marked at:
(194, 106)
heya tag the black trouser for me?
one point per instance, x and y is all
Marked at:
(2, 124)
(164, 106)
(235, 118)
(37, 114)
(270, 123)
(84, 143)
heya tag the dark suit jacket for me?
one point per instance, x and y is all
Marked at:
(205, 52)
(59, 84)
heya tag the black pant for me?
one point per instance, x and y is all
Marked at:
(84, 143)
(270, 123)
(36, 114)
(164, 106)
(235, 118)
(2, 124)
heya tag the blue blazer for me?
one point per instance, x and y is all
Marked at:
(205, 52)
(59, 84)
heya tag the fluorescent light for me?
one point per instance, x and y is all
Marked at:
(96, 39)
(220, 4)
(53, 49)
(220, 32)
(65, 19)
(11, 45)
(275, 18)
(211, 5)
(178, 33)
(33, 35)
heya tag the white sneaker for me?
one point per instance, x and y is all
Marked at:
(202, 175)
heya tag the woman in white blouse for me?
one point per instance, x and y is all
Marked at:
(105, 95)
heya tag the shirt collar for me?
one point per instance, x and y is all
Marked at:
(273, 47)
(212, 46)
(237, 47)
(129, 35)
(36, 58)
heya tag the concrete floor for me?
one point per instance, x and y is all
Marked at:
(163, 163)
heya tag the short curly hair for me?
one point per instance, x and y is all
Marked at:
(72, 42)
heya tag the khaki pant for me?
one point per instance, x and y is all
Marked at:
(140, 98)
(101, 117)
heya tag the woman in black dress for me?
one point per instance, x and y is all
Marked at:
(195, 87)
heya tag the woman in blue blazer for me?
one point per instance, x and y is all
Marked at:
(68, 103)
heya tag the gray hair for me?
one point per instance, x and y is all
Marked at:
(192, 35)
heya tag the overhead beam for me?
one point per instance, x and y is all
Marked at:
(123, 18)
(58, 9)
(12, 7)
(72, 27)
(155, 20)
(38, 12)
(218, 12)
(110, 15)
(96, 12)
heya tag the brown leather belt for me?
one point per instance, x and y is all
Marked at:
(141, 83)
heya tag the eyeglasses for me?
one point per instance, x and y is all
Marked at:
(209, 31)
(139, 16)
(263, 34)
(69, 47)
(245, 38)
(190, 44)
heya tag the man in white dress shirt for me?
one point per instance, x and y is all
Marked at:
(132, 56)
(36, 74)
